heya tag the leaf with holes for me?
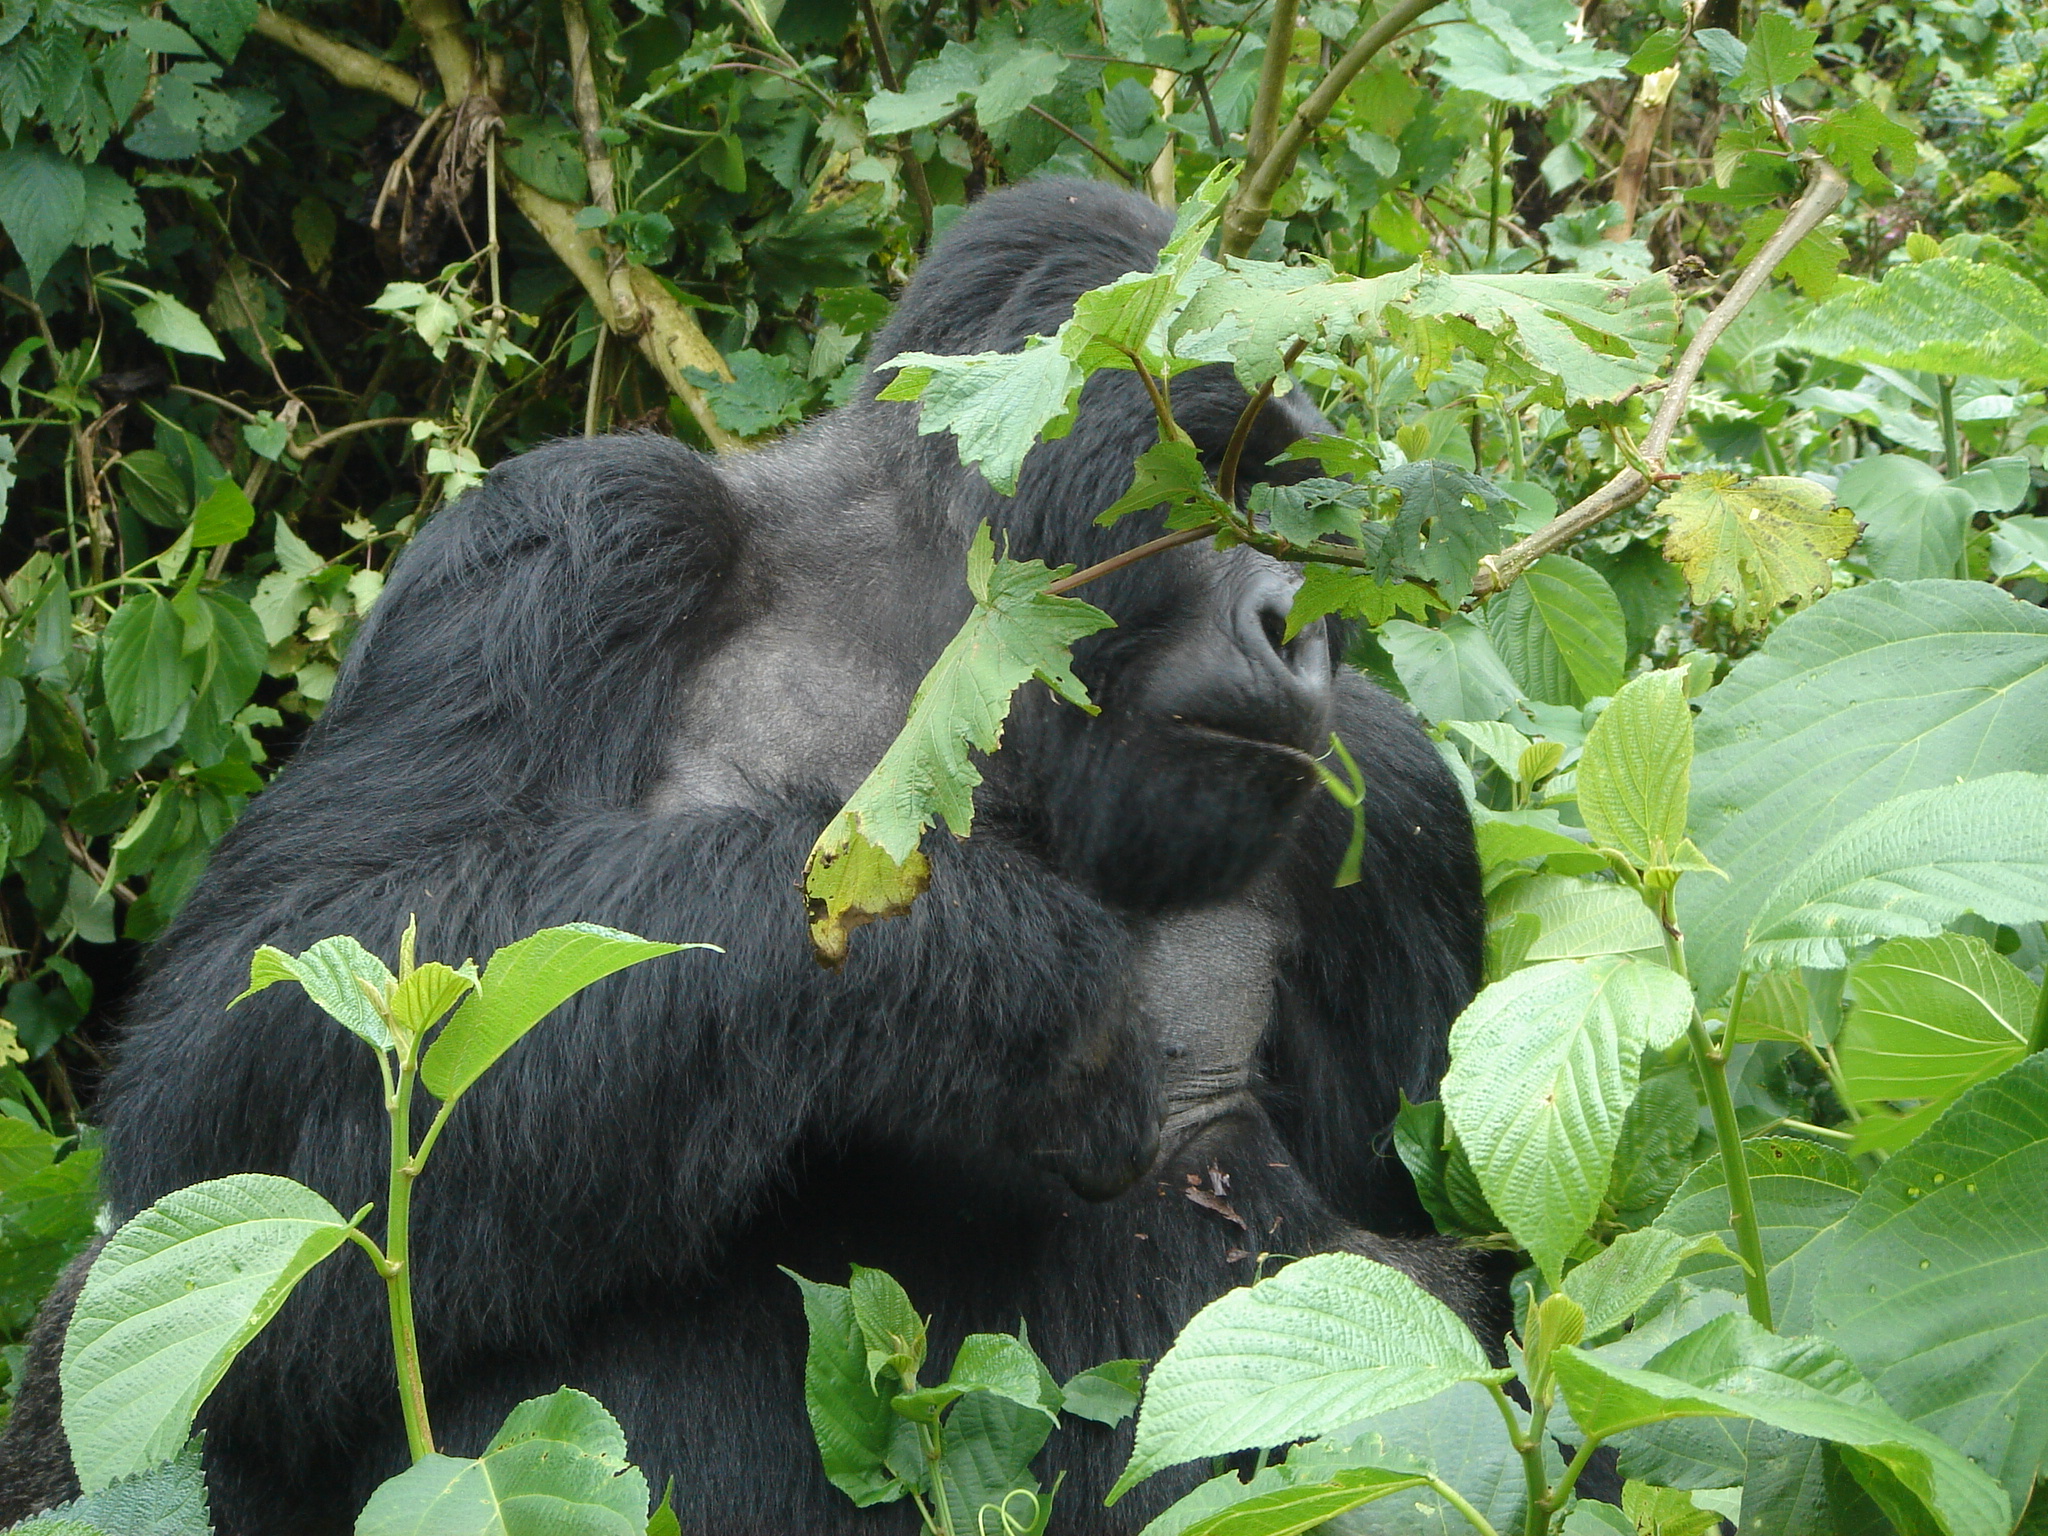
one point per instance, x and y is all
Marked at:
(1765, 542)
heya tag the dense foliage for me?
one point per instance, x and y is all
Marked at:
(281, 282)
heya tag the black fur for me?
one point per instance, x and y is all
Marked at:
(625, 684)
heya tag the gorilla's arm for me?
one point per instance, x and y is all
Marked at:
(485, 764)
(1378, 968)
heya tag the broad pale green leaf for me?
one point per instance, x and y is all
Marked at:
(1914, 520)
(2019, 545)
(1765, 542)
(1325, 1342)
(169, 323)
(989, 1362)
(994, 403)
(1543, 1067)
(46, 1220)
(42, 205)
(1107, 1393)
(1560, 630)
(1731, 1368)
(1613, 1285)
(1579, 919)
(1634, 776)
(850, 1419)
(1014, 83)
(557, 1468)
(430, 991)
(866, 864)
(220, 24)
(332, 972)
(1287, 1511)
(523, 983)
(1931, 1017)
(1801, 1192)
(1937, 1286)
(1909, 867)
(1596, 338)
(1452, 672)
(142, 666)
(1872, 693)
(1497, 56)
(170, 1302)
(937, 88)
(223, 517)
(1946, 315)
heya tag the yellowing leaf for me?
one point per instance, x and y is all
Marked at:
(1766, 542)
(866, 864)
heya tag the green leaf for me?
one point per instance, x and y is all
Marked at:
(1448, 520)
(1946, 315)
(547, 157)
(223, 517)
(1013, 84)
(165, 1500)
(430, 991)
(1287, 1511)
(1765, 542)
(936, 89)
(1578, 919)
(46, 1220)
(1106, 1393)
(1596, 338)
(522, 984)
(1452, 672)
(1615, 1284)
(1779, 52)
(113, 215)
(220, 24)
(1914, 520)
(850, 1419)
(1327, 1341)
(866, 864)
(1560, 630)
(994, 403)
(169, 323)
(2019, 545)
(1852, 137)
(170, 1302)
(1931, 1017)
(1166, 474)
(42, 206)
(1634, 777)
(1731, 1368)
(1801, 1192)
(332, 972)
(986, 1465)
(142, 665)
(1872, 693)
(1543, 1067)
(1909, 867)
(1937, 1286)
(764, 392)
(1497, 55)
(987, 1362)
(1328, 589)
(890, 1327)
(557, 1468)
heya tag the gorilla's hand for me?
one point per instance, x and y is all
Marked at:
(1095, 1120)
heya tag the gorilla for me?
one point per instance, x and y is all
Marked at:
(623, 683)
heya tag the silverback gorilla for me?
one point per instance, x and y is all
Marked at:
(623, 683)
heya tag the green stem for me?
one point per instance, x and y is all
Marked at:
(934, 1451)
(1951, 440)
(1456, 1500)
(412, 1390)
(2037, 1037)
(1528, 1444)
(1565, 1484)
(1711, 1067)
(1495, 144)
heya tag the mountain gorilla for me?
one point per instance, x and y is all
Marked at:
(626, 684)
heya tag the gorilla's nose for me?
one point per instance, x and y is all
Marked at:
(1262, 634)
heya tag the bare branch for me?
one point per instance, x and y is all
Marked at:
(1265, 118)
(597, 162)
(1824, 191)
(913, 171)
(348, 66)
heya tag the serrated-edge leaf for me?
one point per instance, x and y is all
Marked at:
(1634, 775)
(1327, 1341)
(331, 972)
(170, 1301)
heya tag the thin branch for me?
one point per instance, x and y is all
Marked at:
(306, 450)
(348, 66)
(913, 171)
(597, 162)
(440, 24)
(1086, 143)
(200, 394)
(1145, 551)
(1265, 118)
(1226, 473)
(1497, 572)
(1252, 204)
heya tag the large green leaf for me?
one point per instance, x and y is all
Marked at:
(1578, 919)
(985, 1469)
(866, 864)
(850, 1419)
(1324, 1343)
(1616, 1282)
(1872, 693)
(1731, 1368)
(1801, 1190)
(170, 1302)
(1914, 520)
(142, 664)
(1946, 315)
(1288, 1511)
(1450, 673)
(1543, 1067)
(557, 1468)
(524, 983)
(1634, 777)
(165, 1500)
(1938, 1282)
(42, 205)
(1910, 866)
(1560, 630)
(1931, 1017)
(46, 1219)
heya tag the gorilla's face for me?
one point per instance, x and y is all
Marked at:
(1179, 792)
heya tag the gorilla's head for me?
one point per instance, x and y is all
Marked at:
(1179, 791)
